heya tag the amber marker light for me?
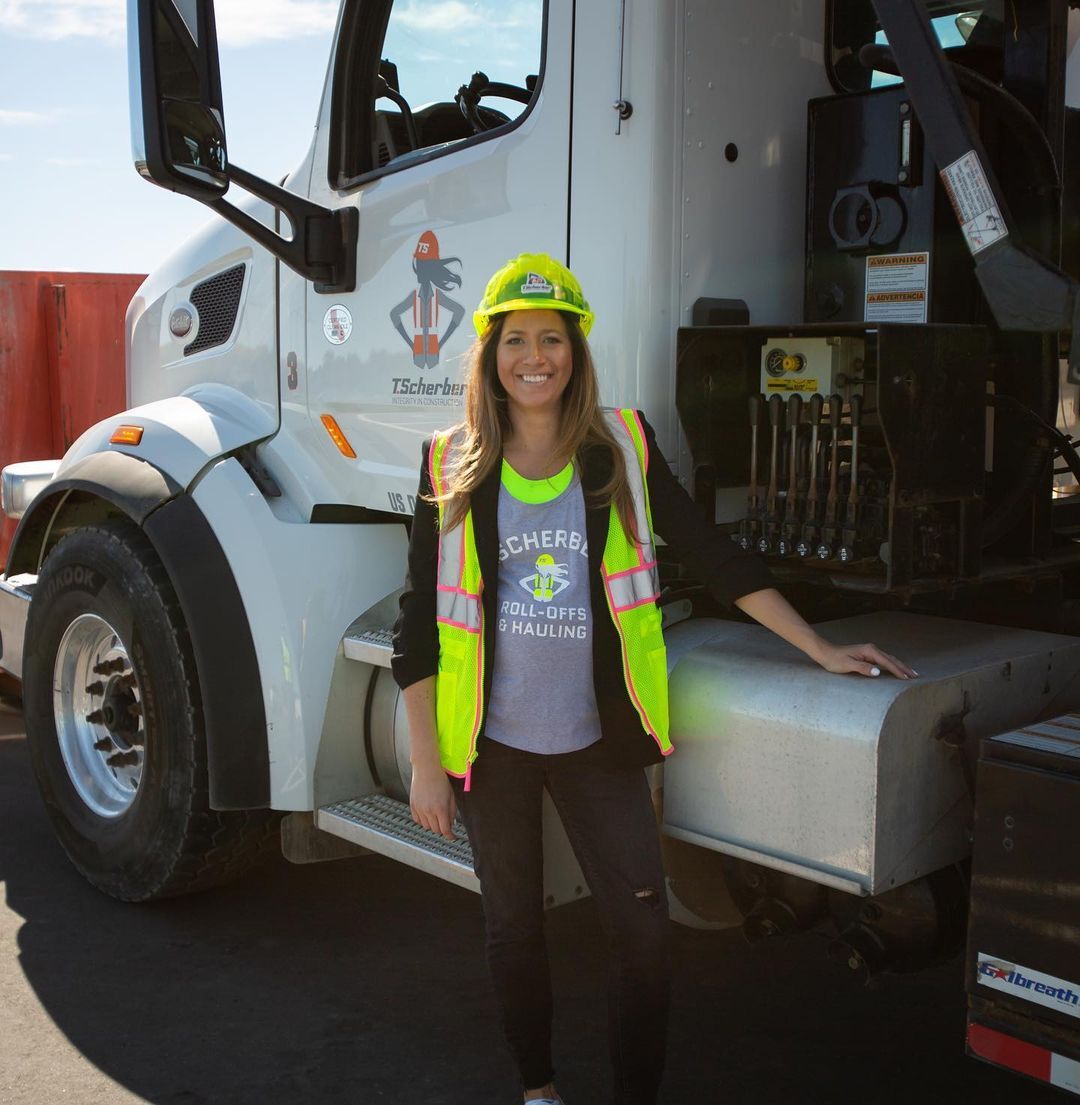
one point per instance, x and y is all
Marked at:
(127, 435)
(338, 438)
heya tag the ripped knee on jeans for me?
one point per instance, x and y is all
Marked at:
(648, 896)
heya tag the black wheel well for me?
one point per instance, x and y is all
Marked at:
(100, 485)
(51, 518)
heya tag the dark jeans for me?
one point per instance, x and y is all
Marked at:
(610, 822)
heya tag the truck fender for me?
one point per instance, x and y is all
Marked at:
(229, 679)
(113, 481)
(181, 436)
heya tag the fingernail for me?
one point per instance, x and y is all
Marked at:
(914, 672)
(875, 671)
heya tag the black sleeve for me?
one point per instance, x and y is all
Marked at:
(416, 634)
(707, 554)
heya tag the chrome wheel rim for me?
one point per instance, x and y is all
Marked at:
(97, 707)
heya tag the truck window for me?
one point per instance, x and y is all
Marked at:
(441, 75)
(971, 32)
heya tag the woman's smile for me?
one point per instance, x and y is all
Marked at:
(534, 360)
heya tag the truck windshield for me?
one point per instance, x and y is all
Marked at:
(971, 32)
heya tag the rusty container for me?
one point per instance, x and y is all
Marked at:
(61, 361)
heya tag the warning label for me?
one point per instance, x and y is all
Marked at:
(791, 383)
(973, 202)
(897, 286)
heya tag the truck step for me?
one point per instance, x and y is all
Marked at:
(383, 825)
(371, 646)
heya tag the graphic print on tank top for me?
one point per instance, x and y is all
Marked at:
(542, 695)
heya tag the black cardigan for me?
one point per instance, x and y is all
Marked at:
(718, 562)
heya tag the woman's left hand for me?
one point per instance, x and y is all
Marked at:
(862, 660)
(773, 611)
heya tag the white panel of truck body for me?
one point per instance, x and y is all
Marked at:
(485, 203)
(659, 216)
(301, 586)
(623, 214)
(750, 67)
(248, 359)
(845, 779)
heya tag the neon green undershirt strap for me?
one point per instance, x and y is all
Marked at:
(536, 491)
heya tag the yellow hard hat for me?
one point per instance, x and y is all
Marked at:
(532, 281)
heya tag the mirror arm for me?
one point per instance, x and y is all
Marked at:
(323, 243)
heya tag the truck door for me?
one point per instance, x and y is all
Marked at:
(448, 127)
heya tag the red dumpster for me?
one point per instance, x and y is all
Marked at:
(61, 361)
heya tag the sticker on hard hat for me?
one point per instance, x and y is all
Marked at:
(535, 284)
(337, 324)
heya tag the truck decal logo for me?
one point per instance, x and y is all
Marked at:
(425, 306)
(337, 324)
(1030, 985)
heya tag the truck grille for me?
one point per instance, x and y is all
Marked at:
(217, 301)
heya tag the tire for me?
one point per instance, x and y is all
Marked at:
(114, 722)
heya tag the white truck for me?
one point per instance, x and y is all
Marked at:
(800, 228)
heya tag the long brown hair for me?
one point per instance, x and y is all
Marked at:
(479, 438)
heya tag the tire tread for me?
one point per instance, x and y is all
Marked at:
(215, 846)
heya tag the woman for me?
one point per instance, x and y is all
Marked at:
(530, 654)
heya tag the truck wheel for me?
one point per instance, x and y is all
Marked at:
(114, 723)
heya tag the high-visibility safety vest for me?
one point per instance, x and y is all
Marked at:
(631, 585)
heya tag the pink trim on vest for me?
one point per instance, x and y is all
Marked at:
(457, 625)
(630, 571)
(634, 605)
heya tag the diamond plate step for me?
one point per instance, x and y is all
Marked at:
(383, 825)
(372, 646)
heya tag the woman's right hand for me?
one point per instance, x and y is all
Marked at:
(431, 799)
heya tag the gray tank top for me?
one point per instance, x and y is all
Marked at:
(542, 695)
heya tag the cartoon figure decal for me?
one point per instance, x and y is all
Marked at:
(434, 279)
(548, 580)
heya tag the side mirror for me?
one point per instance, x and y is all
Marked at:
(177, 122)
(178, 140)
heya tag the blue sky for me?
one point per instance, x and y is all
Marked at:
(70, 197)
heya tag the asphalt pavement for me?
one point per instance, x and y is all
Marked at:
(360, 981)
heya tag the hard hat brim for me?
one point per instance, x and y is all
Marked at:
(482, 319)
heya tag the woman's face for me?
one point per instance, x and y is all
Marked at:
(534, 359)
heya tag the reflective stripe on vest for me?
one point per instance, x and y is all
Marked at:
(459, 613)
(631, 586)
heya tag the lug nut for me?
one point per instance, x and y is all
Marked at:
(95, 717)
(97, 687)
(103, 745)
(123, 759)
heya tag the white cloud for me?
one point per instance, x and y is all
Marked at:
(56, 19)
(239, 22)
(12, 118)
(455, 16)
(242, 22)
